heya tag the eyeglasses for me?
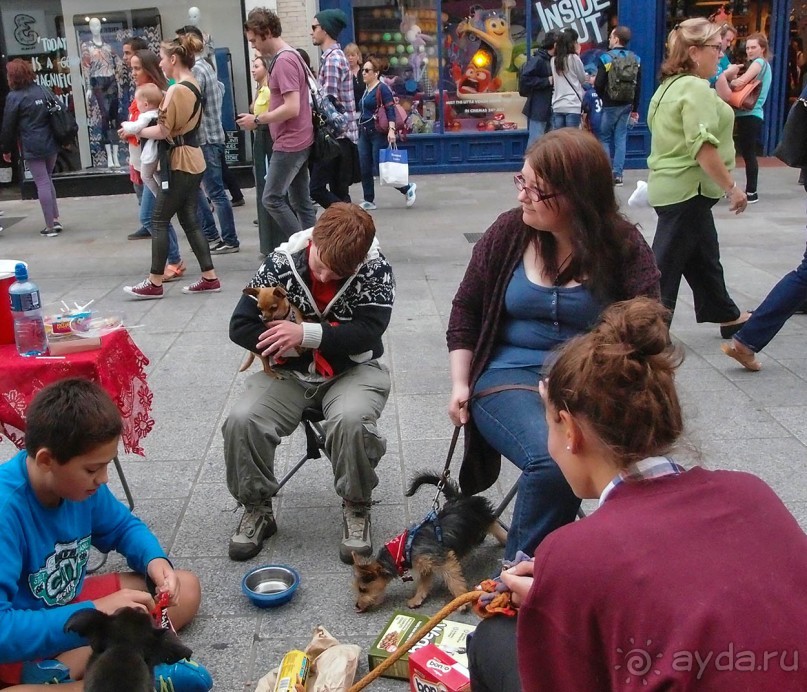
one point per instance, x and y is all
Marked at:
(367, 69)
(532, 192)
(314, 27)
(717, 46)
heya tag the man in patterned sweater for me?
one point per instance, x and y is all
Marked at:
(336, 276)
(336, 81)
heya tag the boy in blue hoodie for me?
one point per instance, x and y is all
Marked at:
(55, 505)
(592, 103)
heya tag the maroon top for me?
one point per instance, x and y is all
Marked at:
(679, 583)
(478, 311)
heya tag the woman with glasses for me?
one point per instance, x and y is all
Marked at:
(541, 274)
(371, 141)
(691, 158)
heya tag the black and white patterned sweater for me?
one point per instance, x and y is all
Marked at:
(347, 332)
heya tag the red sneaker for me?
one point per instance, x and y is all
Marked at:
(203, 285)
(145, 290)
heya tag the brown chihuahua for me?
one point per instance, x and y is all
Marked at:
(273, 304)
(437, 546)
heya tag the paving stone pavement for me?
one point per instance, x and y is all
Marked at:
(735, 419)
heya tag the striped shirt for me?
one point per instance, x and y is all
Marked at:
(336, 80)
(211, 131)
(652, 467)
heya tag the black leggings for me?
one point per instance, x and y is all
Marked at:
(748, 129)
(180, 199)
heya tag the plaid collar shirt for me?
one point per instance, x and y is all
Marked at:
(652, 467)
(336, 80)
(211, 131)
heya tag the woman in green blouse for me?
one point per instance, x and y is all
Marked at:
(691, 157)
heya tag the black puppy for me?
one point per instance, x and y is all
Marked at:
(125, 648)
(463, 521)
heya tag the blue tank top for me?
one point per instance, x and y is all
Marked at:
(539, 318)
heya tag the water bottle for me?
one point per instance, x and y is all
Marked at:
(26, 308)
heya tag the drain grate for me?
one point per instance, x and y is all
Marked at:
(473, 237)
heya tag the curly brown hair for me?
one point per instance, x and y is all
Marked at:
(263, 22)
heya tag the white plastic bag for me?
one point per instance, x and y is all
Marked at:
(393, 167)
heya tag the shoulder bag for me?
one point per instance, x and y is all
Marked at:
(62, 123)
(189, 139)
(746, 97)
(792, 148)
(380, 117)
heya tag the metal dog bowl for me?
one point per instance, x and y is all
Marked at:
(270, 585)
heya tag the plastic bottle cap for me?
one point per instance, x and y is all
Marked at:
(21, 272)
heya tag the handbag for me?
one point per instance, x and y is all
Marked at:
(62, 122)
(746, 98)
(380, 116)
(792, 148)
(393, 167)
(325, 146)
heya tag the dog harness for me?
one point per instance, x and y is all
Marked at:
(400, 547)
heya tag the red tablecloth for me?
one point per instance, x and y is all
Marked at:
(118, 366)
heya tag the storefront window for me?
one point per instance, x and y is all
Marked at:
(592, 22)
(78, 54)
(484, 46)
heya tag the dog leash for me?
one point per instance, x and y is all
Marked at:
(455, 437)
(441, 614)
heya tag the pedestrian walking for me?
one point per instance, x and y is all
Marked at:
(568, 77)
(535, 83)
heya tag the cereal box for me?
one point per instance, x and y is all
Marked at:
(448, 635)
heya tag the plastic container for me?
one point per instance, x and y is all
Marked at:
(6, 319)
(26, 309)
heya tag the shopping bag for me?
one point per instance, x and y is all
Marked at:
(393, 167)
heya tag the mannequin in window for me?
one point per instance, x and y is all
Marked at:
(208, 53)
(99, 63)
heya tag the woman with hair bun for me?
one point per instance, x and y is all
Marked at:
(181, 170)
(681, 579)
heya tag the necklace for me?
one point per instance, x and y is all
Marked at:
(564, 272)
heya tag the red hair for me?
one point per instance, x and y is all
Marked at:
(20, 73)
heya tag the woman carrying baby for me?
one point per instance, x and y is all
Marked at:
(541, 274)
(181, 174)
(681, 579)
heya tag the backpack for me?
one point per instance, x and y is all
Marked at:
(622, 76)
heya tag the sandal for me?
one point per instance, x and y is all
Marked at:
(747, 360)
(174, 271)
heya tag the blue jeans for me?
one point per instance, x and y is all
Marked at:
(213, 184)
(783, 300)
(288, 173)
(614, 135)
(146, 211)
(535, 128)
(513, 423)
(560, 120)
(370, 143)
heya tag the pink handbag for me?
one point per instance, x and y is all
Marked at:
(381, 120)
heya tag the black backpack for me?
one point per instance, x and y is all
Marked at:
(623, 75)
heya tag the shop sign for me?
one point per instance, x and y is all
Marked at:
(586, 17)
(22, 29)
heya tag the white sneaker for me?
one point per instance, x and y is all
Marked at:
(367, 206)
(410, 195)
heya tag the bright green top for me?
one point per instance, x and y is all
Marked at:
(685, 112)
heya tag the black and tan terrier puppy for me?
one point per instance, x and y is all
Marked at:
(436, 549)
(273, 304)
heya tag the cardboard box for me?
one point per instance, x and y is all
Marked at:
(433, 670)
(448, 635)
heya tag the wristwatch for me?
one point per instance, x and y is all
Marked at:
(256, 121)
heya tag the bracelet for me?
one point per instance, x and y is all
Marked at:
(731, 189)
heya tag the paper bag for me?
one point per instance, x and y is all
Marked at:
(393, 167)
